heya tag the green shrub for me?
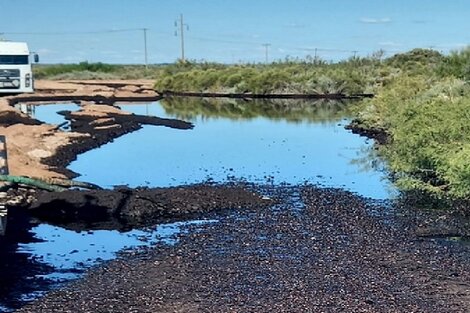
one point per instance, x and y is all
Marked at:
(422, 100)
(457, 64)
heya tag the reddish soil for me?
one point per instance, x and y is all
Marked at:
(43, 151)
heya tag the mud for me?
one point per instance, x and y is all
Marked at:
(8, 118)
(378, 134)
(16, 269)
(122, 209)
(43, 151)
(101, 99)
(125, 208)
(330, 252)
(307, 250)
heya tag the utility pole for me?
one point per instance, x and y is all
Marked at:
(145, 47)
(266, 46)
(181, 26)
(315, 57)
(355, 53)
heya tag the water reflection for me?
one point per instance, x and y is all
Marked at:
(37, 258)
(47, 113)
(258, 141)
(369, 160)
(18, 270)
(235, 109)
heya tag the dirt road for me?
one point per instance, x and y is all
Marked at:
(309, 250)
(329, 252)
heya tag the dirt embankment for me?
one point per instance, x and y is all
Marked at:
(41, 150)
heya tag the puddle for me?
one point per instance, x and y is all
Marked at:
(229, 143)
(258, 141)
(69, 253)
(148, 109)
(47, 113)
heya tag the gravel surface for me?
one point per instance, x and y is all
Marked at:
(317, 250)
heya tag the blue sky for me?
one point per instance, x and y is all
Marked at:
(64, 31)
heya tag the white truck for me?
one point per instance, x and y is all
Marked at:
(16, 75)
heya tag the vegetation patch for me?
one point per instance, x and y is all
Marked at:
(421, 103)
(426, 111)
(99, 71)
(283, 77)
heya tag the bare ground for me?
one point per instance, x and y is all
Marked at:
(328, 254)
(42, 151)
(317, 250)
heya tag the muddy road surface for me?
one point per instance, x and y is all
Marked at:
(271, 247)
(316, 250)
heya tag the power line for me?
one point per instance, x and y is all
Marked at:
(145, 47)
(181, 26)
(144, 30)
(325, 50)
(314, 50)
(266, 46)
(74, 32)
(223, 40)
(180, 29)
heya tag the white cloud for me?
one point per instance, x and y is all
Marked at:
(369, 20)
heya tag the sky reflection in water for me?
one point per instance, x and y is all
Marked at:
(256, 146)
(258, 141)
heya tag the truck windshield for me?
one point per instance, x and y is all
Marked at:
(14, 59)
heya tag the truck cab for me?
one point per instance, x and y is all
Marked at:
(16, 74)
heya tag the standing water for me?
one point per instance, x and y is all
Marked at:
(257, 141)
(275, 142)
(48, 113)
